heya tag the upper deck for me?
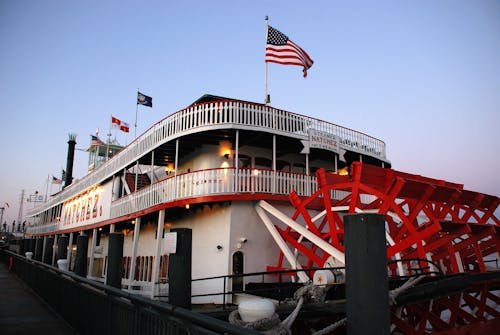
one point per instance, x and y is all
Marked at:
(224, 115)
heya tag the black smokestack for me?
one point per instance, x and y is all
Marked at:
(69, 162)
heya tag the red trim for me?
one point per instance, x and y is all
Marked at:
(176, 203)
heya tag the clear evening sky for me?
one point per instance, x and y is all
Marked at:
(423, 76)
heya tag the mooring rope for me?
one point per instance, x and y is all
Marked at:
(307, 293)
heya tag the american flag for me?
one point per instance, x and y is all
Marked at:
(56, 180)
(117, 123)
(95, 141)
(280, 49)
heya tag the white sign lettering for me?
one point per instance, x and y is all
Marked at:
(322, 140)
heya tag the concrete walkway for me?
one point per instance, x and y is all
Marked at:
(22, 312)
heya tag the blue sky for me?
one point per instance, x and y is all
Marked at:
(424, 76)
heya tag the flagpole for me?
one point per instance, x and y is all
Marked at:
(266, 96)
(47, 188)
(109, 137)
(136, 107)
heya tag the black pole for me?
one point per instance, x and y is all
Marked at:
(32, 244)
(115, 259)
(23, 246)
(367, 289)
(49, 248)
(179, 270)
(38, 248)
(81, 255)
(62, 247)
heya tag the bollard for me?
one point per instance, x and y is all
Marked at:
(115, 259)
(367, 288)
(81, 255)
(179, 270)
(62, 247)
(38, 248)
(49, 247)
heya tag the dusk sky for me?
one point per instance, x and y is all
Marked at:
(423, 76)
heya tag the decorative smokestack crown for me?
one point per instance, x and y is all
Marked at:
(71, 156)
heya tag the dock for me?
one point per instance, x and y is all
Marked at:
(22, 312)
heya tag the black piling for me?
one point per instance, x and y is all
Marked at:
(38, 249)
(62, 247)
(49, 248)
(81, 255)
(23, 246)
(115, 258)
(32, 243)
(179, 270)
(367, 305)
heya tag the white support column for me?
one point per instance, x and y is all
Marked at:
(92, 251)
(70, 249)
(124, 181)
(176, 167)
(136, 175)
(236, 161)
(43, 246)
(153, 177)
(159, 240)
(137, 229)
(273, 187)
(112, 228)
(113, 195)
(176, 157)
(54, 250)
(336, 164)
(307, 164)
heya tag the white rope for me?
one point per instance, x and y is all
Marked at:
(397, 291)
(331, 327)
(393, 294)
(288, 322)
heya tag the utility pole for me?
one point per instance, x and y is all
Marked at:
(2, 209)
(20, 215)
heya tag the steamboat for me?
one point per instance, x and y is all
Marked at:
(252, 189)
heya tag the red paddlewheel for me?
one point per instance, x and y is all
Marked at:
(473, 311)
(426, 219)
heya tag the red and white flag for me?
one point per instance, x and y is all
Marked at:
(119, 124)
(280, 49)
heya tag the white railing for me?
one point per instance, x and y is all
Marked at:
(214, 182)
(210, 182)
(218, 115)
